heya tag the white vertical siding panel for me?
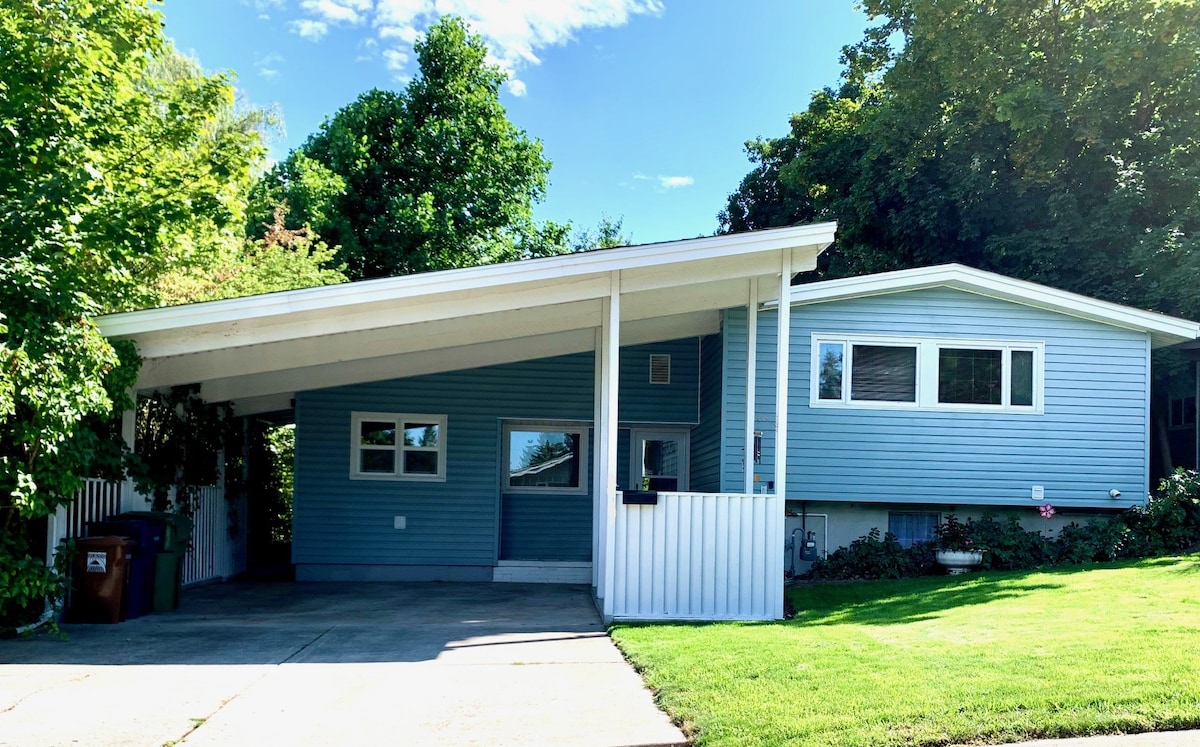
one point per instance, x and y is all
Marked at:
(659, 559)
(671, 563)
(709, 572)
(698, 556)
(721, 578)
(645, 559)
(736, 545)
(688, 557)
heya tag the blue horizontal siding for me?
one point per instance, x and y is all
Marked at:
(706, 436)
(458, 522)
(1091, 437)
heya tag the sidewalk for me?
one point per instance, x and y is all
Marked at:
(1152, 739)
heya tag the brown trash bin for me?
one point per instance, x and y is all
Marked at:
(98, 578)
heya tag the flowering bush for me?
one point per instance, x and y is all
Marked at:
(953, 534)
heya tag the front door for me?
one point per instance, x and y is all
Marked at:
(660, 460)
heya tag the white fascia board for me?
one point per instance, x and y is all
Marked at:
(1163, 329)
(818, 236)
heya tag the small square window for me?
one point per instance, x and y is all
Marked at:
(419, 454)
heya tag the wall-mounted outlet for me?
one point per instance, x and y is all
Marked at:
(400, 522)
(1038, 493)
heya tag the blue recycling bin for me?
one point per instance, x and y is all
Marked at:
(148, 537)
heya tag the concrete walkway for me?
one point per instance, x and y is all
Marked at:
(1154, 739)
(321, 664)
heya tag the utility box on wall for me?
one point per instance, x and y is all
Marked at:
(797, 531)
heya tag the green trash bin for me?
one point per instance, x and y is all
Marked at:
(168, 568)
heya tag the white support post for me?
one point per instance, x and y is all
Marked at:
(751, 375)
(607, 431)
(599, 511)
(129, 435)
(783, 334)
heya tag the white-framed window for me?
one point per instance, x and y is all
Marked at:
(397, 446)
(882, 372)
(545, 457)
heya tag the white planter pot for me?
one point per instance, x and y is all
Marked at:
(959, 561)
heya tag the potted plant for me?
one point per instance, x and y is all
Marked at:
(955, 548)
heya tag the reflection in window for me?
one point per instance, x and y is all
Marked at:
(544, 459)
(660, 464)
(830, 386)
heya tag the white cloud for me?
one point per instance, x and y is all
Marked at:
(396, 59)
(675, 182)
(338, 11)
(661, 183)
(516, 87)
(268, 66)
(310, 29)
(514, 30)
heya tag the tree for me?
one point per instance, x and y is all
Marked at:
(432, 178)
(607, 235)
(1046, 139)
(110, 175)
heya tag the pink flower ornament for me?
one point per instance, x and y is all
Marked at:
(1046, 511)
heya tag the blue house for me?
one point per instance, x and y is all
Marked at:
(614, 417)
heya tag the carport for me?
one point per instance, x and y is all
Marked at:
(265, 353)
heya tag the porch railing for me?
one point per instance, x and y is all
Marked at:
(709, 556)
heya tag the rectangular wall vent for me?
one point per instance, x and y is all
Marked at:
(660, 369)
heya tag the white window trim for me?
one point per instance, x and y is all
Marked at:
(928, 350)
(399, 418)
(565, 426)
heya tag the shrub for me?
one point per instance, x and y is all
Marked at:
(874, 556)
(1009, 545)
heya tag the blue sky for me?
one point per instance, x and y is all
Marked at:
(642, 105)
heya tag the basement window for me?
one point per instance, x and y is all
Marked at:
(392, 446)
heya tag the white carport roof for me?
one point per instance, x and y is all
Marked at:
(1163, 329)
(258, 351)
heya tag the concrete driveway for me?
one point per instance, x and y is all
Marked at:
(322, 664)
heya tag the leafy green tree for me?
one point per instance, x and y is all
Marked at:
(1049, 140)
(110, 175)
(432, 178)
(606, 235)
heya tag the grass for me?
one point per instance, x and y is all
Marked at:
(979, 659)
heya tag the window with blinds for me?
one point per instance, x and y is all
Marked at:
(883, 373)
(927, 373)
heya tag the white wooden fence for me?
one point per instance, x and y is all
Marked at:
(213, 553)
(699, 556)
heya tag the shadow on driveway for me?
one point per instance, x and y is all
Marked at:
(273, 623)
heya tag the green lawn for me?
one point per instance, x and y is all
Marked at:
(984, 658)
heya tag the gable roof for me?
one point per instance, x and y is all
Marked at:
(1163, 330)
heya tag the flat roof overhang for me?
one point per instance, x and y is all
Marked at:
(257, 351)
